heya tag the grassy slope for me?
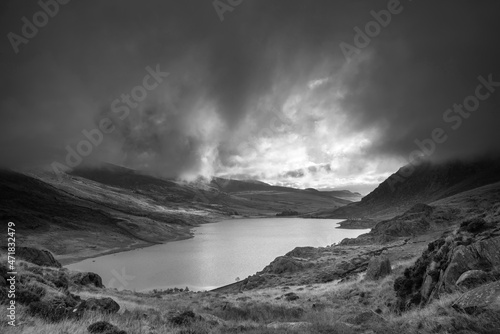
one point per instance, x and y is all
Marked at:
(357, 306)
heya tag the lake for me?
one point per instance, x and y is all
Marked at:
(216, 256)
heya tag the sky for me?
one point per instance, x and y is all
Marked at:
(298, 93)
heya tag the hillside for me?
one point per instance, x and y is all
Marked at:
(79, 218)
(109, 208)
(429, 182)
(343, 194)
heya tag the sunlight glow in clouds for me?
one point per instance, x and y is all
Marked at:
(313, 147)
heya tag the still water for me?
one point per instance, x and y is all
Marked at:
(216, 256)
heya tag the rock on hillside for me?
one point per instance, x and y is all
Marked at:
(474, 246)
(378, 267)
(484, 297)
(86, 278)
(39, 257)
(43, 287)
(420, 219)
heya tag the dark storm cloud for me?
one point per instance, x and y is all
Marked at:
(65, 78)
(428, 60)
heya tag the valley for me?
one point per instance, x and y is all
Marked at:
(107, 210)
(97, 211)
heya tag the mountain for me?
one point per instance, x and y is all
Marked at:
(428, 182)
(260, 193)
(96, 210)
(344, 194)
(82, 217)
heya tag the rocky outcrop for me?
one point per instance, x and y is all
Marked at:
(284, 264)
(87, 278)
(103, 305)
(412, 222)
(378, 268)
(474, 246)
(482, 254)
(39, 257)
(483, 297)
(303, 252)
(357, 224)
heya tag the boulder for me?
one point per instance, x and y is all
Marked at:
(378, 267)
(481, 298)
(283, 264)
(39, 257)
(291, 296)
(252, 282)
(103, 305)
(87, 278)
(104, 327)
(473, 278)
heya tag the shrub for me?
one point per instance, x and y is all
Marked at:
(61, 281)
(51, 311)
(183, 318)
(475, 225)
(261, 313)
(29, 293)
(104, 328)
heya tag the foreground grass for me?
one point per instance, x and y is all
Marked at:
(356, 306)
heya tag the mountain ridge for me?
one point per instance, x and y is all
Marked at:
(427, 183)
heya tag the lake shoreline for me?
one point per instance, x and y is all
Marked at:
(139, 245)
(321, 233)
(68, 259)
